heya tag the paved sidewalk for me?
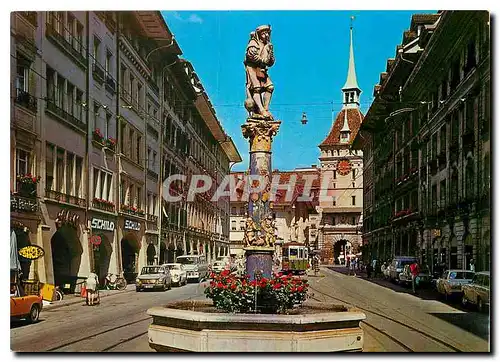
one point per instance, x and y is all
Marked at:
(71, 299)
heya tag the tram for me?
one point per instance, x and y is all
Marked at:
(295, 258)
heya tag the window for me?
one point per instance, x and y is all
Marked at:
(70, 28)
(108, 62)
(153, 211)
(60, 92)
(22, 77)
(139, 198)
(22, 161)
(334, 174)
(354, 184)
(353, 200)
(78, 112)
(49, 166)
(70, 158)
(242, 225)
(233, 225)
(78, 44)
(130, 143)
(51, 88)
(60, 170)
(138, 150)
(107, 125)
(123, 192)
(138, 98)
(123, 72)
(95, 50)
(353, 220)
(149, 157)
(154, 160)
(131, 84)
(442, 193)
(79, 175)
(354, 174)
(103, 185)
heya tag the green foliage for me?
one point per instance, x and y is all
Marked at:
(233, 294)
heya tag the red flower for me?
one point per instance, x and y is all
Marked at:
(220, 285)
(253, 283)
(225, 273)
(233, 286)
(277, 286)
(300, 288)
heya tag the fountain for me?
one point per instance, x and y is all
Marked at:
(199, 326)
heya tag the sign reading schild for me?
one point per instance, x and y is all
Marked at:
(132, 225)
(100, 224)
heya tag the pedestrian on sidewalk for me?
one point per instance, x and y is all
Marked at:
(369, 270)
(91, 284)
(415, 271)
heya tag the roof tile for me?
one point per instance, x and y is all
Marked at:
(354, 119)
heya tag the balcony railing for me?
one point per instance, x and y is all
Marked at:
(58, 111)
(98, 72)
(31, 16)
(153, 174)
(103, 206)
(23, 204)
(25, 99)
(70, 199)
(152, 218)
(132, 211)
(110, 84)
(52, 34)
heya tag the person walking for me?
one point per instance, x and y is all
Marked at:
(472, 266)
(91, 284)
(415, 271)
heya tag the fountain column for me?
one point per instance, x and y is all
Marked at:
(259, 230)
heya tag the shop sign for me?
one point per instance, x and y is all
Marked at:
(100, 224)
(132, 225)
(32, 252)
(436, 232)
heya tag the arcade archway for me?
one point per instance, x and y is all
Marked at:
(102, 258)
(339, 252)
(130, 253)
(150, 254)
(66, 255)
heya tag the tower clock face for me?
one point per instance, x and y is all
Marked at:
(344, 167)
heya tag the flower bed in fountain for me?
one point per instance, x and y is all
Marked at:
(267, 315)
(234, 294)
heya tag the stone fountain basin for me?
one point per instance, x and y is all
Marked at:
(196, 326)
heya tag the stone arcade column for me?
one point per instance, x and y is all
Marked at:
(259, 243)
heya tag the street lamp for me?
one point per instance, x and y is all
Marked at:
(304, 118)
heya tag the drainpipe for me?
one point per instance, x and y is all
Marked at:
(119, 137)
(87, 144)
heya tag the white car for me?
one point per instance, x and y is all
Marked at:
(451, 282)
(219, 265)
(178, 273)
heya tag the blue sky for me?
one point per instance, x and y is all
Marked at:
(311, 50)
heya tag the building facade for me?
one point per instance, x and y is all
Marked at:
(427, 139)
(103, 111)
(295, 220)
(342, 177)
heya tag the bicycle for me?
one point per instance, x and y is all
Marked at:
(58, 294)
(114, 282)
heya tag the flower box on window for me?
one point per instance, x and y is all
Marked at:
(97, 135)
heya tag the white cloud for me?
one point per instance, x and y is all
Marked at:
(193, 18)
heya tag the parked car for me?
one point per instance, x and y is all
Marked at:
(178, 273)
(219, 265)
(196, 266)
(424, 277)
(451, 281)
(397, 265)
(24, 306)
(153, 277)
(477, 292)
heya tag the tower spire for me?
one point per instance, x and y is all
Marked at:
(351, 89)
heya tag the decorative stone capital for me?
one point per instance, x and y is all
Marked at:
(260, 134)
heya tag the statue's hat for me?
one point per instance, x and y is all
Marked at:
(263, 27)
